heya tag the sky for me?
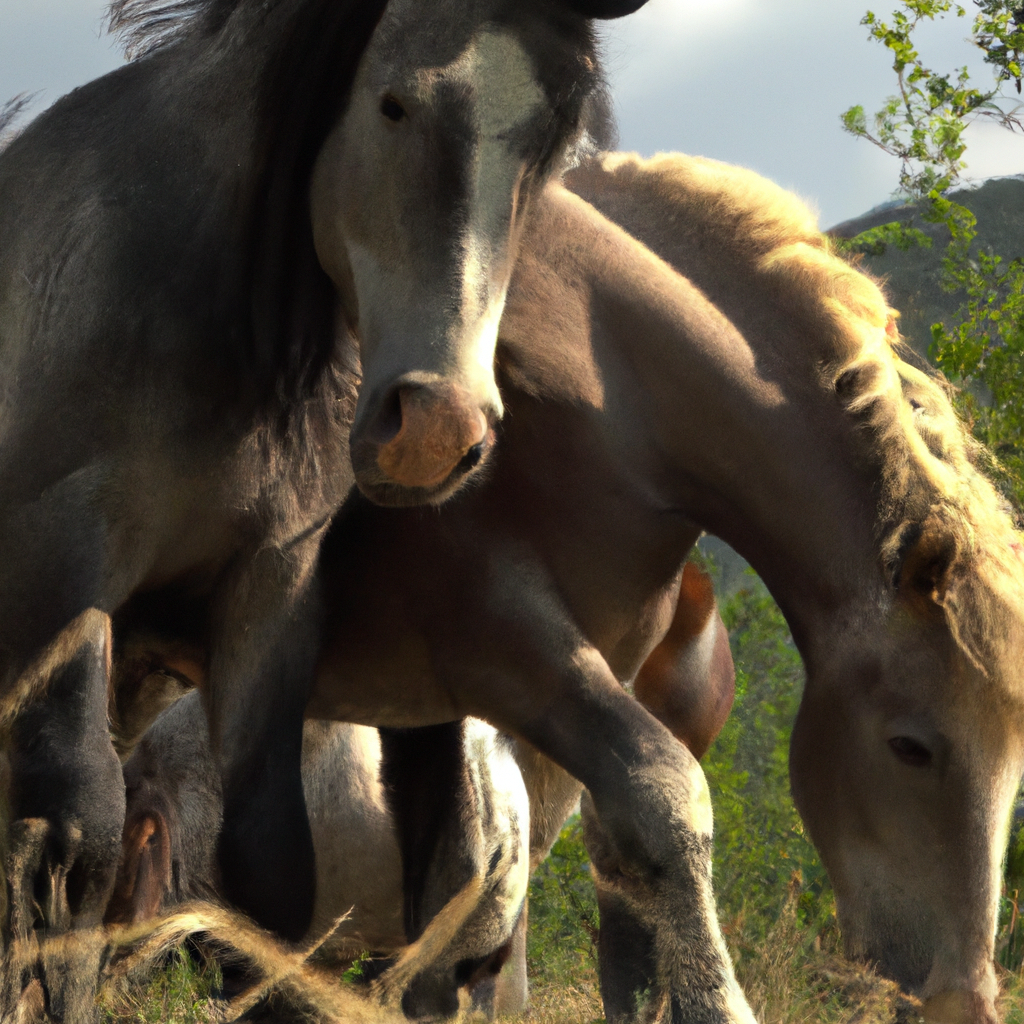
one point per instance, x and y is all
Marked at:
(746, 81)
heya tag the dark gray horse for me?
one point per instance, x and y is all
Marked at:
(189, 249)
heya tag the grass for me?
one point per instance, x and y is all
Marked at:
(180, 993)
(791, 968)
(793, 976)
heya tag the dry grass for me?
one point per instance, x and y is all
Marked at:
(787, 979)
(793, 974)
(791, 977)
(576, 1001)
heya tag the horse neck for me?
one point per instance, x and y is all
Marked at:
(757, 448)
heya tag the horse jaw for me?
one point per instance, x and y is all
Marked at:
(913, 843)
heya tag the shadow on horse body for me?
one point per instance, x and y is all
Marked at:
(760, 397)
(185, 246)
(406, 819)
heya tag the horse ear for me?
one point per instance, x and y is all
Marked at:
(605, 8)
(923, 576)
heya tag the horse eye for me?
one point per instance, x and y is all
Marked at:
(392, 109)
(910, 752)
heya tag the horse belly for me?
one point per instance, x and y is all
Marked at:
(390, 684)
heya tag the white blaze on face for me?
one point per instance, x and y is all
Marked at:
(506, 95)
(429, 302)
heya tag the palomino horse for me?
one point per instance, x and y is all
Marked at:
(386, 836)
(184, 245)
(759, 396)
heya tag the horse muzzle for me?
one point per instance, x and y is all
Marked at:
(420, 441)
(960, 1007)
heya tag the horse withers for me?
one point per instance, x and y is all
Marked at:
(180, 374)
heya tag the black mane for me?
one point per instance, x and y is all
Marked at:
(9, 114)
(143, 26)
(301, 57)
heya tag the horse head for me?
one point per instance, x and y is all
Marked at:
(459, 113)
(906, 760)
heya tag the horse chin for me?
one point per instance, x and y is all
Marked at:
(374, 483)
(903, 957)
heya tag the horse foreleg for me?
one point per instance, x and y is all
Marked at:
(429, 793)
(662, 955)
(265, 643)
(67, 806)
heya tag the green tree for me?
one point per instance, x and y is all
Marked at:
(923, 126)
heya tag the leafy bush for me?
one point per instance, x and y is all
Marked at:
(562, 940)
(762, 854)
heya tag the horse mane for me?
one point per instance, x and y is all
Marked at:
(142, 26)
(10, 112)
(301, 57)
(930, 468)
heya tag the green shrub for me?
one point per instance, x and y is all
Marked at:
(762, 854)
(562, 940)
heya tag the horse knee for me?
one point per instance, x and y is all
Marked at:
(64, 771)
(663, 816)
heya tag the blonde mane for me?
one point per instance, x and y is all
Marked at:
(927, 463)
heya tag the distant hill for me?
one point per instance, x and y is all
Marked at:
(912, 278)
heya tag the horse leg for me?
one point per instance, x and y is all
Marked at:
(647, 828)
(511, 992)
(67, 805)
(429, 793)
(662, 955)
(265, 643)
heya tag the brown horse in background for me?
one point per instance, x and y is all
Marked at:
(759, 396)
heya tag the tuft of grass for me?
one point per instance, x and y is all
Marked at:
(179, 993)
(562, 943)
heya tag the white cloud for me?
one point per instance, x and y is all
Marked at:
(764, 84)
(50, 46)
(993, 150)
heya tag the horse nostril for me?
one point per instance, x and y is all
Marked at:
(472, 458)
(910, 752)
(387, 424)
